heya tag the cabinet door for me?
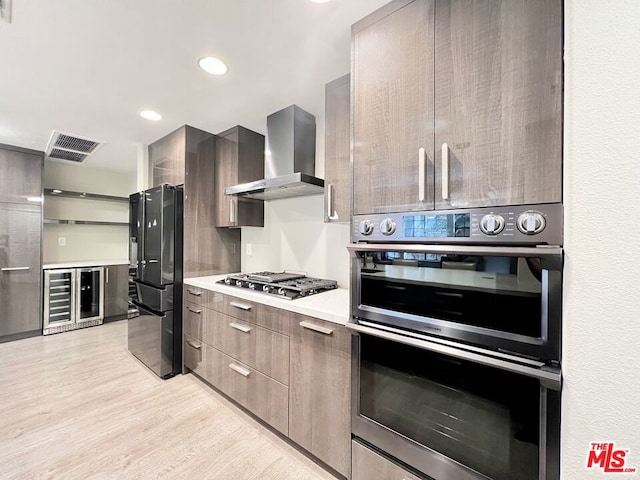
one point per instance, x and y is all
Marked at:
(319, 390)
(393, 58)
(337, 151)
(20, 268)
(239, 159)
(498, 102)
(166, 159)
(20, 175)
(116, 290)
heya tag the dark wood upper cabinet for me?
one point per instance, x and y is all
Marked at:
(240, 159)
(166, 159)
(337, 150)
(188, 156)
(393, 108)
(480, 81)
(20, 174)
(498, 102)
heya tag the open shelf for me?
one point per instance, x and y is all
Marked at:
(87, 196)
(56, 221)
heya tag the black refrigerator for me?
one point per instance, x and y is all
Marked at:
(155, 250)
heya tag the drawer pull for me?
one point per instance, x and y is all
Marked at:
(316, 328)
(241, 370)
(192, 310)
(242, 328)
(241, 306)
(14, 269)
(194, 293)
(194, 345)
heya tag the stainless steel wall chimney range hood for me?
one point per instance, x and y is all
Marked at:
(289, 160)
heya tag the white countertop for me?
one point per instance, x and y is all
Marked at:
(332, 305)
(85, 263)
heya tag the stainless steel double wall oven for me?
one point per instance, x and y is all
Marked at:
(457, 351)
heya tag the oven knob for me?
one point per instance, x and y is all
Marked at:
(366, 227)
(492, 224)
(387, 226)
(531, 223)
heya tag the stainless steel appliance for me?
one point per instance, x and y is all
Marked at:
(457, 317)
(287, 285)
(289, 159)
(154, 336)
(74, 298)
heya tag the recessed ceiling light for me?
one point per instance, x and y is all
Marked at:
(320, 1)
(150, 115)
(213, 65)
(57, 191)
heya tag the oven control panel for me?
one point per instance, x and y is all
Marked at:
(524, 224)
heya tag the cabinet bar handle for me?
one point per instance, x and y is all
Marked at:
(193, 310)
(316, 328)
(241, 370)
(194, 293)
(194, 345)
(241, 306)
(232, 210)
(106, 270)
(14, 269)
(422, 170)
(445, 171)
(331, 208)
(242, 328)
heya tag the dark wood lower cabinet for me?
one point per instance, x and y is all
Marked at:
(116, 291)
(290, 370)
(320, 390)
(20, 270)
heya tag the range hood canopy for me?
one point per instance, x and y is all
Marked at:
(289, 159)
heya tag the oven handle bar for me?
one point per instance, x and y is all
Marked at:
(550, 378)
(461, 249)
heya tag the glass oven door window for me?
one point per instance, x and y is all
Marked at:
(494, 292)
(481, 417)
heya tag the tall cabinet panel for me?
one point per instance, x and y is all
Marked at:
(498, 85)
(392, 91)
(20, 174)
(166, 159)
(337, 150)
(20, 269)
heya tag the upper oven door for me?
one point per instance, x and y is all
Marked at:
(503, 298)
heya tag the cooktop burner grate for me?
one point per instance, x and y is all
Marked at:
(283, 284)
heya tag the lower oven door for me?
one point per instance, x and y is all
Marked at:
(507, 299)
(452, 413)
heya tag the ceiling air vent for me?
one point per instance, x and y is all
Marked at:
(71, 148)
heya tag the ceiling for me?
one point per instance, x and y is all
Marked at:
(88, 68)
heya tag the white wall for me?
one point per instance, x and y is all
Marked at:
(295, 237)
(86, 242)
(602, 194)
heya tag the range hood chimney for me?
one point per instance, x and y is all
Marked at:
(289, 160)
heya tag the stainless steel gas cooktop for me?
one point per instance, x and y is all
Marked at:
(283, 284)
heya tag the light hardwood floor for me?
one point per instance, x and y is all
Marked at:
(78, 405)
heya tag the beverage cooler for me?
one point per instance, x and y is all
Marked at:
(73, 298)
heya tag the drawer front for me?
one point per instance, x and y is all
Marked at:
(261, 395)
(193, 316)
(193, 355)
(265, 350)
(368, 465)
(268, 317)
(202, 297)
